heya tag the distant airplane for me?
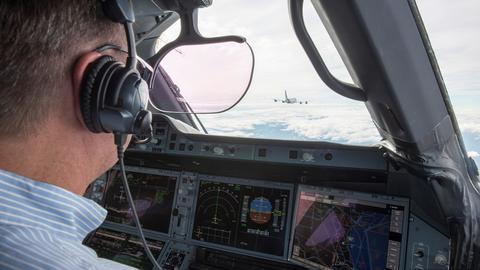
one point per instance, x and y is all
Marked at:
(289, 100)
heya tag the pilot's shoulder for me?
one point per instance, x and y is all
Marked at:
(30, 248)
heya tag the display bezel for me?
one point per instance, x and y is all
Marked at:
(132, 229)
(246, 182)
(361, 196)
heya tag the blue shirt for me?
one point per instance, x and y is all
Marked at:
(42, 226)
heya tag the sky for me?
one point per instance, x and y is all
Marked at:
(281, 64)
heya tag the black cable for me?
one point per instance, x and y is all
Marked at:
(120, 140)
(132, 53)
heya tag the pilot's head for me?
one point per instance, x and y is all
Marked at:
(45, 48)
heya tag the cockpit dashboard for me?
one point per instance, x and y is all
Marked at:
(211, 202)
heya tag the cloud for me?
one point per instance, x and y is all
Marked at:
(451, 30)
(469, 121)
(344, 123)
(473, 154)
(341, 124)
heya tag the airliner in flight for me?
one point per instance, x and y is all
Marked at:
(289, 100)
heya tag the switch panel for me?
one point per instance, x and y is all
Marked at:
(184, 205)
(177, 257)
(427, 248)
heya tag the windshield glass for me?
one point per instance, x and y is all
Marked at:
(453, 33)
(284, 73)
(286, 100)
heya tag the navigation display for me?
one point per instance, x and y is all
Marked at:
(340, 231)
(152, 194)
(123, 248)
(242, 216)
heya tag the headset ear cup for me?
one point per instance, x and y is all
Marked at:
(89, 91)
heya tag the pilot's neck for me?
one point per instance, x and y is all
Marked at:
(70, 161)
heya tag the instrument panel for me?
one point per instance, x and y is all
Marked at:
(309, 226)
(261, 206)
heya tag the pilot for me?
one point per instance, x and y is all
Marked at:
(47, 155)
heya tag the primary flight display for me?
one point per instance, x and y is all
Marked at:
(247, 217)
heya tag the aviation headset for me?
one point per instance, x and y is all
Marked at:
(114, 97)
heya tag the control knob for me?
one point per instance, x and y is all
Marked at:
(141, 146)
(419, 253)
(218, 150)
(307, 156)
(441, 259)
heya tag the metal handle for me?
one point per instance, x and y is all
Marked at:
(342, 88)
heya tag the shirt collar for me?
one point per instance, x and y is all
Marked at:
(39, 205)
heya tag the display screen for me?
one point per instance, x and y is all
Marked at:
(341, 232)
(242, 216)
(152, 195)
(123, 248)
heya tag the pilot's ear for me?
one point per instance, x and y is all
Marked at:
(78, 74)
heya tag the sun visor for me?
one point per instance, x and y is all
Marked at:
(202, 78)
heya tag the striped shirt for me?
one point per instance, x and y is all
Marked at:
(42, 226)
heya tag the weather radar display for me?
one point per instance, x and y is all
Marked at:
(342, 232)
(242, 216)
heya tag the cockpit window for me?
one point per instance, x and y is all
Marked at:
(286, 100)
(453, 33)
